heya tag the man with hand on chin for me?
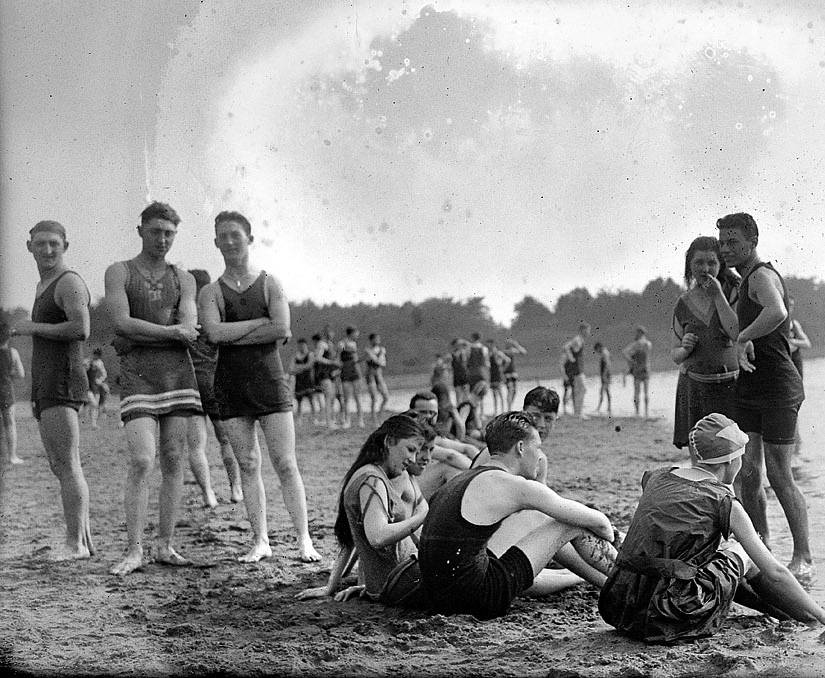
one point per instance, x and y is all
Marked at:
(769, 389)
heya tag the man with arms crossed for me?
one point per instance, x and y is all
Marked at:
(769, 389)
(246, 313)
(59, 325)
(152, 307)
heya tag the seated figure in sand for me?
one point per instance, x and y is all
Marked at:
(493, 529)
(692, 550)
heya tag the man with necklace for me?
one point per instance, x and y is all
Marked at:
(59, 325)
(153, 310)
(245, 312)
(769, 389)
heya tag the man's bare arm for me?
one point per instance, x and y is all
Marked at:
(72, 296)
(137, 330)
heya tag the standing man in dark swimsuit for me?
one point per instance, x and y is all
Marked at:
(59, 325)
(769, 389)
(574, 370)
(478, 374)
(152, 307)
(458, 359)
(246, 313)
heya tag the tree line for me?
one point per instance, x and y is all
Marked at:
(415, 332)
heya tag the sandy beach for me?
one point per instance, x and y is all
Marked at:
(221, 617)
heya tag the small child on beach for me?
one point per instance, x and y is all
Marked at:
(692, 550)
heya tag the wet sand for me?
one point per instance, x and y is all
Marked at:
(223, 617)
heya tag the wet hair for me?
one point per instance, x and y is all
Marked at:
(316, 337)
(422, 395)
(546, 399)
(201, 277)
(373, 451)
(741, 221)
(48, 226)
(427, 428)
(350, 330)
(159, 210)
(372, 336)
(506, 430)
(703, 243)
(237, 217)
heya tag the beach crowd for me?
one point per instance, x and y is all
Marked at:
(448, 507)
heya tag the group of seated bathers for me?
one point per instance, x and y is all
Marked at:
(493, 531)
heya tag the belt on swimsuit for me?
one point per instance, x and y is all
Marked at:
(717, 378)
(670, 567)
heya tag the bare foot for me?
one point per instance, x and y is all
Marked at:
(131, 562)
(16, 460)
(166, 555)
(258, 552)
(67, 552)
(236, 495)
(308, 554)
(210, 500)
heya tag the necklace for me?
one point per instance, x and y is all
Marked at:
(239, 282)
(154, 286)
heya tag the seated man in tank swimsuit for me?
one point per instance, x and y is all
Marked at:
(490, 531)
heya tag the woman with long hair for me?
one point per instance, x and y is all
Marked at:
(704, 334)
(378, 518)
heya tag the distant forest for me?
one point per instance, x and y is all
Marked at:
(415, 332)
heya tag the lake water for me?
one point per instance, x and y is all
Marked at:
(663, 393)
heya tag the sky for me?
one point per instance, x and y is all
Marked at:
(392, 151)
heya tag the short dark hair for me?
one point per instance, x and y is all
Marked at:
(704, 243)
(350, 330)
(546, 399)
(202, 278)
(597, 346)
(475, 336)
(302, 340)
(98, 351)
(159, 210)
(506, 430)
(422, 395)
(373, 335)
(316, 337)
(741, 221)
(233, 216)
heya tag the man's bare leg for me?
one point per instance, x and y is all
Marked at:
(140, 442)
(233, 472)
(751, 491)
(173, 430)
(196, 442)
(578, 396)
(244, 442)
(646, 385)
(60, 433)
(280, 441)
(10, 434)
(778, 460)
(541, 539)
